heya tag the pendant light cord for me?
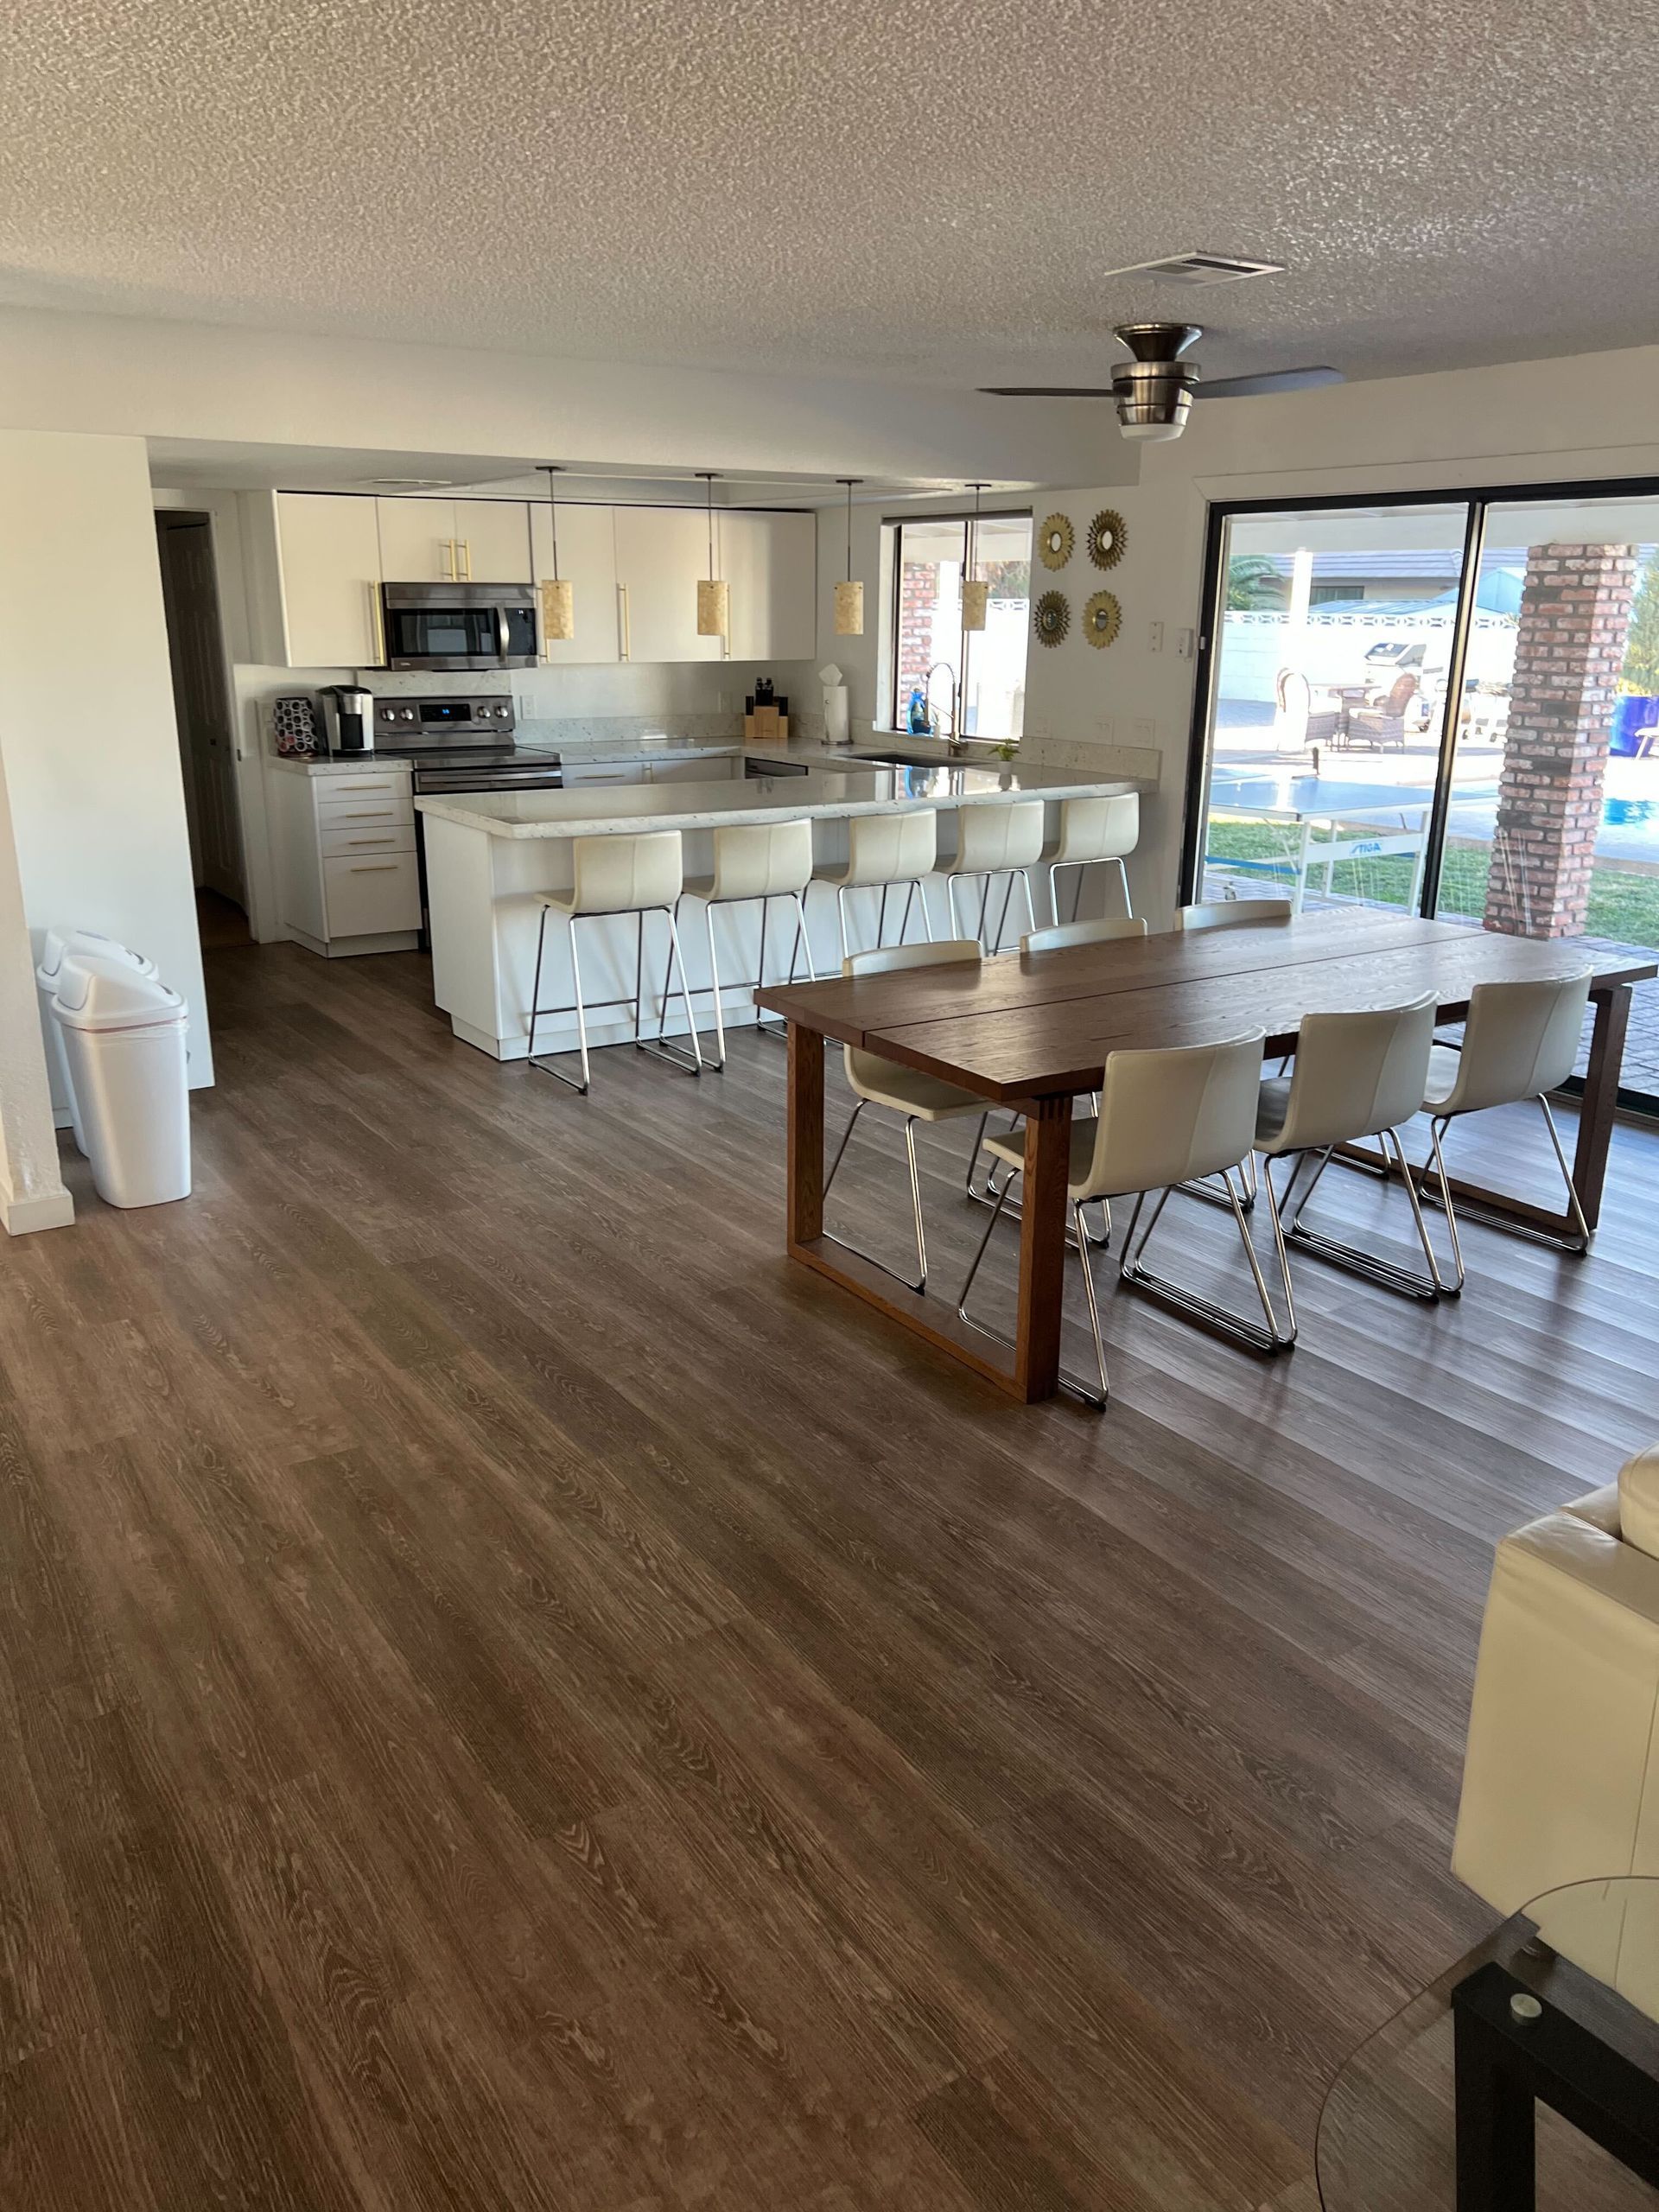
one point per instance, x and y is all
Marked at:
(550, 468)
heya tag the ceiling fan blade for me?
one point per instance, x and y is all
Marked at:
(1269, 380)
(1046, 391)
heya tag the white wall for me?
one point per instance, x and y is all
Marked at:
(89, 743)
(199, 380)
(32, 1195)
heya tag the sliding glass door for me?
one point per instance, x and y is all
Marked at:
(1447, 707)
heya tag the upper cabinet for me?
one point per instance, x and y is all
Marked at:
(448, 541)
(329, 555)
(317, 560)
(587, 561)
(660, 554)
(770, 563)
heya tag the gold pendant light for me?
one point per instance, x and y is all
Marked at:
(975, 595)
(713, 598)
(849, 596)
(558, 595)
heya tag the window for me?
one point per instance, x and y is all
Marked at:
(926, 618)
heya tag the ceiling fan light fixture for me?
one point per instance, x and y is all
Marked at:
(1153, 391)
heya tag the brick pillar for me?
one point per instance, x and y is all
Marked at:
(918, 591)
(1575, 611)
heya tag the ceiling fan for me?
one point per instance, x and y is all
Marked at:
(1155, 390)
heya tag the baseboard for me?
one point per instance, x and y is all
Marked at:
(352, 947)
(47, 1209)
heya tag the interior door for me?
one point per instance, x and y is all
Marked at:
(201, 701)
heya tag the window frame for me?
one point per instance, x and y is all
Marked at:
(893, 530)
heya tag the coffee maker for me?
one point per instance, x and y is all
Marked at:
(347, 718)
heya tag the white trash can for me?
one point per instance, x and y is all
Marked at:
(54, 946)
(123, 1036)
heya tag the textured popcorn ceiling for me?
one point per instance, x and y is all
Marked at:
(926, 191)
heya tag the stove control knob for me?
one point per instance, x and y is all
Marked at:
(406, 714)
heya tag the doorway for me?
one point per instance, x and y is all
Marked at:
(202, 705)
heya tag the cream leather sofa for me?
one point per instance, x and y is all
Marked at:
(1560, 1781)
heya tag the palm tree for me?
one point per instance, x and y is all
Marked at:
(1254, 584)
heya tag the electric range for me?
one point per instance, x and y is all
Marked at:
(462, 744)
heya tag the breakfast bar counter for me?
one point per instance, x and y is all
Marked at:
(491, 856)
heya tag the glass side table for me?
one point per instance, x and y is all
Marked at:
(1525, 2079)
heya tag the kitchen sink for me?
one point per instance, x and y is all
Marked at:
(903, 761)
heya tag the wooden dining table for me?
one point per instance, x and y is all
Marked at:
(1031, 1031)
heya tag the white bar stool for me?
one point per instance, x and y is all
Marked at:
(754, 859)
(637, 874)
(884, 850)
(992, 841)
(1093, 831)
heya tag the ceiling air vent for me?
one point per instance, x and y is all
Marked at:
(1194, 268)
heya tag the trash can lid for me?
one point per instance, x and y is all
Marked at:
(56, 943)
(98, 993)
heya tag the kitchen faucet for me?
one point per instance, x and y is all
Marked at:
(954, 744)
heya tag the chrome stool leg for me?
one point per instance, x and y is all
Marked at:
(546, 1067)
(920, 1284)
(658, 1047)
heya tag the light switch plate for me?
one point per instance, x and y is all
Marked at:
(1144, 733)
(1184, 641)
(1155, 636)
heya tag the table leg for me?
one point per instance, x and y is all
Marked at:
(1042, 1248)
(805, 1134)
(1600, 1100)
(1495, 2150)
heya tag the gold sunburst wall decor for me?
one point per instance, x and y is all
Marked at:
(1102, 618)
(1052, 618)
(1107, 538)
(1055, 541)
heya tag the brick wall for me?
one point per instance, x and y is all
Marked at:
(1575, 611)
(918, 588)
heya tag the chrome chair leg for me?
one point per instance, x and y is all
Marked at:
(1071, 1383)
(1002, 917)
(841, 915)
(1030, 911)
(1406, 1281)
(546, 1067)
(1577, 1244)
(1575, 1207)
(658, 1047)
(915, 1199)
(1124, 878)
(1268, 1336)
(881, 918)
(713, 978)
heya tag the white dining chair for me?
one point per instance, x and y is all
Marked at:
(1520, 1041)
(992, 841)
(753, 860)
(1230, 913)
(885, 851)
(1356, 1075)
(1166, 1114)
(904, 1090)
(619, 873)
(1094, 833)
(1054, 939)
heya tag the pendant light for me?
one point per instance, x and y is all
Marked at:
(558, 595)
(849, 596)
(713, 597)
(974, 594)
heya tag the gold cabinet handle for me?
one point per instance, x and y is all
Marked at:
(627, 624)
(448, 545)
(355, 842)
(378, 626)
(465, 565)
(373, 868)
(372, 814)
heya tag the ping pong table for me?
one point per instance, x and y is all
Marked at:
(1359, 822)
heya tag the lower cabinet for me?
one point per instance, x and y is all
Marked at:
(349, 876)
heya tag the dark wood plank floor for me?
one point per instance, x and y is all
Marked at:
(514, 1696)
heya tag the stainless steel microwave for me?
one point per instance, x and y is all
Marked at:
(459, 625)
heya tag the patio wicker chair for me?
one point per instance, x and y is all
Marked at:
(1381, 725)
(1296, 725)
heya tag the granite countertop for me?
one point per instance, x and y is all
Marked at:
(836, 789)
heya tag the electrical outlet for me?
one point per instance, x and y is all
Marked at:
(1155, 637)
(1104, 727)
(1146, 733)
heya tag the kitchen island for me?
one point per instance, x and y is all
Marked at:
(491, 856)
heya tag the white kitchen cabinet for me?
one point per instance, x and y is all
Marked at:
(660, 554)
(329, 566)
(348, 878)
(437, 541)
(580, 775)
(588, 562)
(770, 563)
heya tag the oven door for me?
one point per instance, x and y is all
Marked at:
(446, 627)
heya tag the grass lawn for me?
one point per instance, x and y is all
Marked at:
(1623, 901)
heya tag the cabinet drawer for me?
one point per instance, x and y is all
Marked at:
(366, 814)
(367, 897)
(577, 774)
(337, 790)
(367, 838)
